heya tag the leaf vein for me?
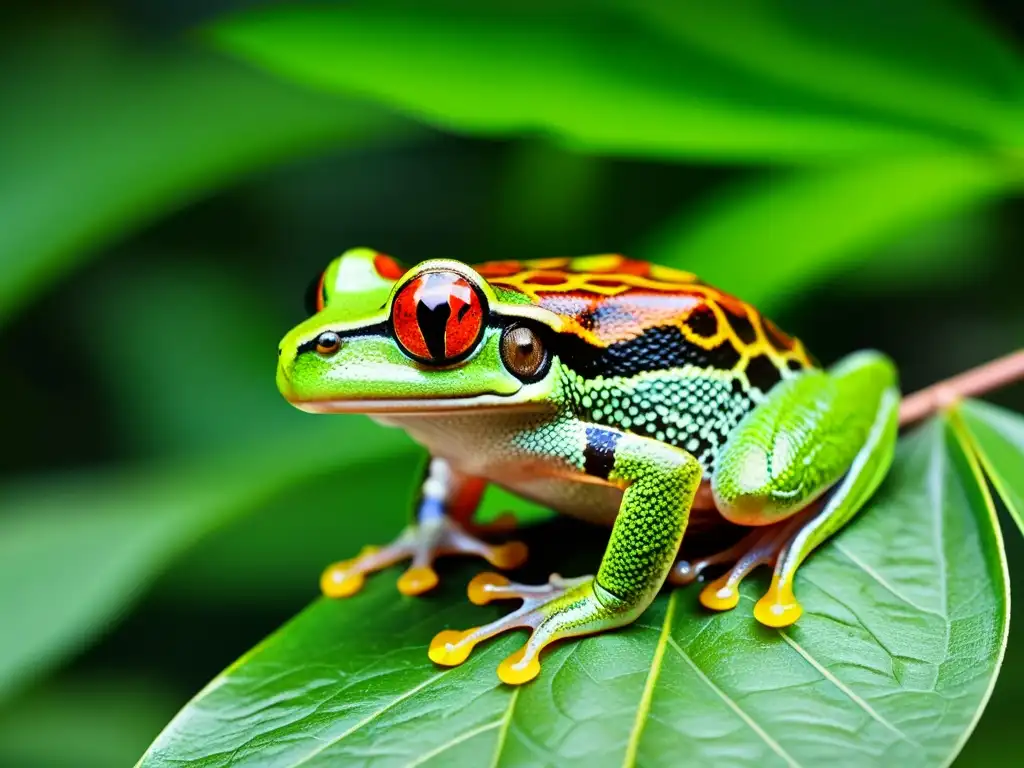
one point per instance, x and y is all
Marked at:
(837, 546)
(370, 718)
(936, 469)
(772, 744)
(644, 707)
(505, 722)
(464, 736)
(845, 690)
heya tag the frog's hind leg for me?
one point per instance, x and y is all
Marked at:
(761, 546)
(779, 607)
(821, 432)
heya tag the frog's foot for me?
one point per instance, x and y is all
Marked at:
(685, 572)
(560, 608)
(762, 546)
(421, 544)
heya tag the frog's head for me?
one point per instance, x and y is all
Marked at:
(437, 337)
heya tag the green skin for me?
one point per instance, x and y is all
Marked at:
(812, 432)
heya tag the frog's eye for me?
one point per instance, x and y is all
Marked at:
(438, 317)
(315, 297)
(327, 343)
(523, 352)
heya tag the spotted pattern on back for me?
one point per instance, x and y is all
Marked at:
(609, 300)
(695, 411)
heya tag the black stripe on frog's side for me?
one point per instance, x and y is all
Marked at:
(377, 329)
(656, 349)
(599, 452)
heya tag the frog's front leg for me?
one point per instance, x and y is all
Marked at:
(445, 506)
(800, 466)
(659, 483)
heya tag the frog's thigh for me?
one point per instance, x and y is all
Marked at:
(807, 435)
(800, 440)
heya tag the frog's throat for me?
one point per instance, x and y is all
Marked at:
(422, 406)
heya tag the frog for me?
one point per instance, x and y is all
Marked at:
(622, 392)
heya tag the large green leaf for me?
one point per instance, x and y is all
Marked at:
(99, 135)
(906, 619)
(998, 437)
(768, 239)
(871, 54)
(588, 76)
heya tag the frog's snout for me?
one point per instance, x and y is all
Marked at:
(284, 383)
(286, 353)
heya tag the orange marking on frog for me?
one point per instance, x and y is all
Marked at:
(387, 267)
(320, 292)
(620, 298)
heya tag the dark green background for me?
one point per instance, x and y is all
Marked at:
(160, 343)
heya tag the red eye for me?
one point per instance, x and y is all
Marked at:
(438, 317)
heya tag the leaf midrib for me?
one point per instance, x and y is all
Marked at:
(644, 705)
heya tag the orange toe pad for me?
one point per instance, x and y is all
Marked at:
(720, 595)
(508, 556)
(479, 589)
(447, 648)
(339, 581)
(514, 672)
(778, 608)
(417, 580)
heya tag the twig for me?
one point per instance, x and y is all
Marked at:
(998, 373)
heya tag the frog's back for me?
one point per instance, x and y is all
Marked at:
(654, 350)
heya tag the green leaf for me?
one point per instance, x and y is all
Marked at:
(588, 76)
(905, 624)
(126, 133)
(998, 437)
(768, 239)
(868, 55)
(81, 548)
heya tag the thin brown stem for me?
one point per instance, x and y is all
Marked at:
(998, 373)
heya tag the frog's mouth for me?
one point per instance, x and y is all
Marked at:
(420, 406)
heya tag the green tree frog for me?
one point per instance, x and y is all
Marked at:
(625, 393)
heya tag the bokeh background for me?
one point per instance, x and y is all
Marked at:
(163, 208)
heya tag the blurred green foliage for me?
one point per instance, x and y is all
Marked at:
(851, 167)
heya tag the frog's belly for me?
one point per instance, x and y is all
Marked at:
(591, 502)
(599, 504)
(485, 449)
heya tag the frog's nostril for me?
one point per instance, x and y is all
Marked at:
(278, 351)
